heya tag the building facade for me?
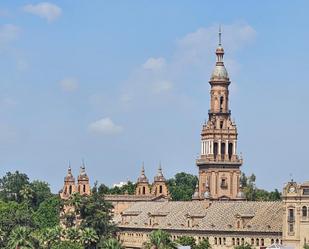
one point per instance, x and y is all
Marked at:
(296, 214)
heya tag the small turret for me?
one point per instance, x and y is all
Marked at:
(142, 187)
(159, 187)
(69, 187)
(83, 185)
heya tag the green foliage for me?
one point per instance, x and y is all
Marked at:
(306, 246)
(96, 213)
(48, 213)
(186, 241)
(159, 239)
(21, 238)
(245, 246)
(128, 188)
(11, 185)
(182, 186)
(41, 192)
(204, 244)
(109, 243)
(67, 245)
(253, 193)
(13, 214)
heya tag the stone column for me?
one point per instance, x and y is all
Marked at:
(234, 147)
(226, 156)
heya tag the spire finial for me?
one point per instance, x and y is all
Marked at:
(220, 35)
(143, 168)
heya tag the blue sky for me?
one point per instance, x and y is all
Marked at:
(117, 83)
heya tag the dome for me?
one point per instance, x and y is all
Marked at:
(142, 177)
(219, 73)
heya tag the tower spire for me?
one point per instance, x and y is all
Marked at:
(220, 35)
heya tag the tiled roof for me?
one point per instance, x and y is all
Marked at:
(132, 198)
(219, 216)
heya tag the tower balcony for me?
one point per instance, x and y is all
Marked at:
(235, 160)
(220, 112)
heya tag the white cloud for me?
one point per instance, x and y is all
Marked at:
(69, 84)
(154, 63)
(8, 33)
(105, 126)
(45, 10)
(162, 86)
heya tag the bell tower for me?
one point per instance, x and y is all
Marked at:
(142, 186)
(218, 163)
(83, 185)
(69, 187)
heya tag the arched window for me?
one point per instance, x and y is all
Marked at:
(221, 103)
(160, 189)
(233, 241)
(272, 241)
(215, 149)
(304, 211)
(277, 241)
(144, 190)
(84, 188)
(257, 242)
(252, 241)
(230, 150)
(70, 189)
(220, 241)
(224, 241)
(216, 241)
(262, 242)
(65, 189)
(242, 241)
(237, 241)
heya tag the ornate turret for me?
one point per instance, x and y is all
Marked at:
(219, 164)
(159, 187)
(142, 187)
(83, 185)
(69, 187)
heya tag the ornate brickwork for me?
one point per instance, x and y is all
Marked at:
(296, 214)
(219, 164)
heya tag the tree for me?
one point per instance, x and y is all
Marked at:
(13, 214)
(47, 237)
(204, 244)
(245, 246)
(110, 243)
(41, 192)
(186, 241)
(306, 246)
(11, 185)
(47, 215)
(159, 239)
(89, 238)
(96, 213)
(20, 238)
(67, 245)
(182, 186)
(72, 234)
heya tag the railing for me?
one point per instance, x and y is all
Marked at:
(291, 219)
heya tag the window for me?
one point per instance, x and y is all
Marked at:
(237, 241)
(291, 215)
(304, 211)
(291, 228)
(216, 241)
(223, 183)
(70, 189)
(224, 241)
(233, 241)
(84, 188)
(160, 189)
(272, 241)
(257, 242)
(242, 241)
(252, 242)
(220, 241)
(221, 103)
(262, 242)
(230, 150)
(144, 190)
(221, 124)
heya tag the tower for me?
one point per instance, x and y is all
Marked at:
(142, 187)
(295, 229)
(83, 185)
(69, 187)
(159, 186)
(218, 163)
